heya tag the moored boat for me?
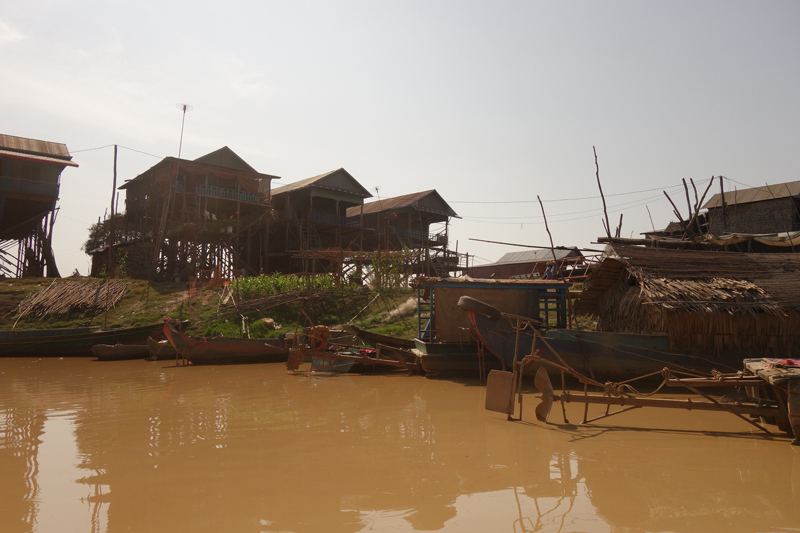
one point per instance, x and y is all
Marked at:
(225, 350)
(68, 343)
(602, 355)
(450, 358)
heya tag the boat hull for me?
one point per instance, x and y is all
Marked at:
(603, 356)
(225, 350)
(74, 345)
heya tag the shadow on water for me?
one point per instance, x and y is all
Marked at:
(580, 432)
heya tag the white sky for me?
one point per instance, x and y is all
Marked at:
(483, 101)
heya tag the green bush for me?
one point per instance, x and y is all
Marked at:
(263, 285)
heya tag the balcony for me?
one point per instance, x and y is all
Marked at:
(438, 238)
(28, 187)
(228, 194)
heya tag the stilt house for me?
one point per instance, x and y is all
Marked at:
(407, 222)
(311, 214)
(706, 302)
(768, 209)
(212, 213)
(30, 179)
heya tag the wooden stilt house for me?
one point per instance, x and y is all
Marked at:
(210, 213)
(311, 215)
(30, 175)
(416, 221)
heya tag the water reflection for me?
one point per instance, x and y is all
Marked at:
(147, 447)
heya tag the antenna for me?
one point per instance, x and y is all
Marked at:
(184, 108)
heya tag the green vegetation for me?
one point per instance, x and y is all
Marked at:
(270, 285)
(147, 303)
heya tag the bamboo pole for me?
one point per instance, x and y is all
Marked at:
(602, 196)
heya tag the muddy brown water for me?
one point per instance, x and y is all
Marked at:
(87, 446)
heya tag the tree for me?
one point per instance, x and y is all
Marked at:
(99, 233)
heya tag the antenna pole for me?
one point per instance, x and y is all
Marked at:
(184, 108)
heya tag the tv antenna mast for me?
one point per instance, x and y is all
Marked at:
(184, 108)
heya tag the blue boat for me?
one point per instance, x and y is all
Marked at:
(601, 355)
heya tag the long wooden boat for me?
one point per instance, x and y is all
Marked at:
(373, 339)
(120, 352)
(72, 344)
(225, 350)
(28, 333)
(602, 355)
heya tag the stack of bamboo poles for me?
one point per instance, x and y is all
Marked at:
(74, 297)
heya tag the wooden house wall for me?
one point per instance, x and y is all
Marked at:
(768, 216)
(389, 227)
(29, 170)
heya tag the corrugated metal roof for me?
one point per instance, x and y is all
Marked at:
(533, 256)
(413, 200)
(756, 194)
(322, 183)
(39, 158)
(187, 164)
(34, 146)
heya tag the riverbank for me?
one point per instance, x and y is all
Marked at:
(150, 302)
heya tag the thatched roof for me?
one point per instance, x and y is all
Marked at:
(695, 281)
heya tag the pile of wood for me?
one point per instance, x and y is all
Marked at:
(74, 297)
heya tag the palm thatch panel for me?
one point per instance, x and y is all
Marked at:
(707, 302)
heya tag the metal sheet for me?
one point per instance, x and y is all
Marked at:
(500, 392)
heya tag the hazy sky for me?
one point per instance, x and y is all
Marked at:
(490, 103)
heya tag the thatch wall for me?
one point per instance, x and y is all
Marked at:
(707, 302)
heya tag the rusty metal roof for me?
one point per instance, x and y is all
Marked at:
(428, 201)
(38, 158)
(33, 146)
(756, 194)
(536, 256)
(336, 180)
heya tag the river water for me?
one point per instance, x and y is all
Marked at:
(88, 446)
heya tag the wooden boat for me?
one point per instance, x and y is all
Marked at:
(225, 350)
(602, 355)
(120, 352)
(28, 333)
(160, 350)
(382, 359)
(373, 339)
(448, 358)
(68, 343)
